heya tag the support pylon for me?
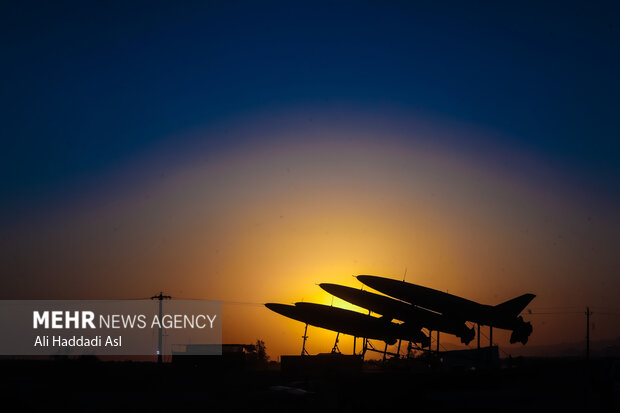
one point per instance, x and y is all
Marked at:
(305, 337)
(335, 349)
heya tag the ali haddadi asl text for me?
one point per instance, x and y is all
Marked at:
(78, 341)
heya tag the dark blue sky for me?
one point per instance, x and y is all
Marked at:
(86, 87)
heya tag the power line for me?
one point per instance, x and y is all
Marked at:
(555, 313)
(225, 302)
(606, 308)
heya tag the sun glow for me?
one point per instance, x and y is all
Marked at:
(267, 223)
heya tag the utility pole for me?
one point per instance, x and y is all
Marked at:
(160, 297)
(588, 314)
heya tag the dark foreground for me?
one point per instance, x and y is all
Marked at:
(531, 385)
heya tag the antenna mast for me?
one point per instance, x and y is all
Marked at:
(160, 297)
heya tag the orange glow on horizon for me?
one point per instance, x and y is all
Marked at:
(268, 223)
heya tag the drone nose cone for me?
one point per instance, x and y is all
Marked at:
(367, 279)
(330, 288)
(275, 307)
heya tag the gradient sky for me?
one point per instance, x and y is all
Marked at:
(245, 151)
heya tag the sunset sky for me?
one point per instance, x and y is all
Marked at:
(246, 152)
